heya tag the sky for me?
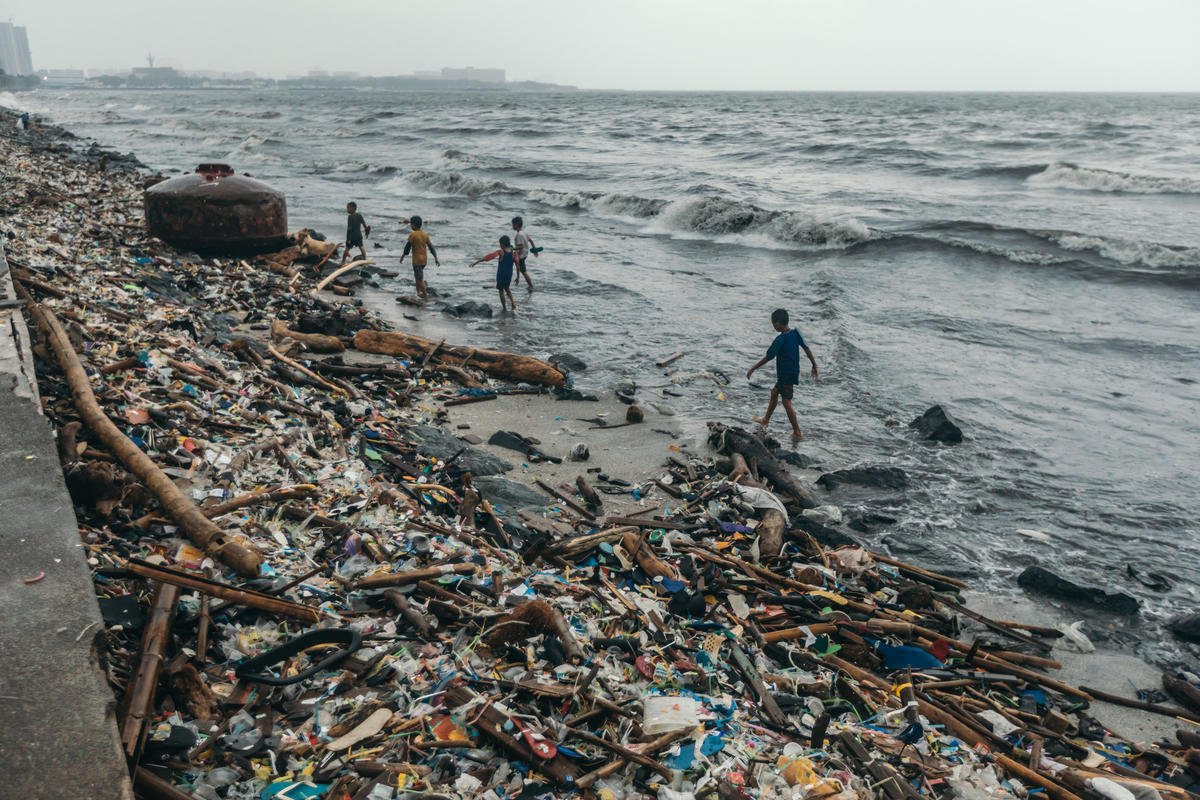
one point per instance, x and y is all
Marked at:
(936, 45)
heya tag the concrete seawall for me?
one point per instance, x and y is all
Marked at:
(58, 729)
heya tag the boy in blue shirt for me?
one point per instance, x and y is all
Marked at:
(786, 352)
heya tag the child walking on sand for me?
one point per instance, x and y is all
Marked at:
(522, 247)
(418, 242)
(355, 225)
(504, 270)
(786, 352)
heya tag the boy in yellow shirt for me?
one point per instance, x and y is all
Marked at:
(418, 243)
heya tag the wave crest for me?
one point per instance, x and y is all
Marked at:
(625, 206)
(719, 217)
(443, 184)
(1089, 179)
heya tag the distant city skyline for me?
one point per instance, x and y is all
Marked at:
(937, 45)
(15, 58)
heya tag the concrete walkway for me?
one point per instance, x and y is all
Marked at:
(58, 731)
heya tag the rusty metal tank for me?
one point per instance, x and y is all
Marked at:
(213, 211)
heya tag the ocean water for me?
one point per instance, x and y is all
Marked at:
(1031, 262)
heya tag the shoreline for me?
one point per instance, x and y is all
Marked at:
(378, 423)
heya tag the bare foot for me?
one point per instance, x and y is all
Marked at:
(760, 421)
(797, 436)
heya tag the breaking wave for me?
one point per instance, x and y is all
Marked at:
(624, 206)
(1088, 179)
(1130, 252)
(708, 216)
(719, 217)
(445, 184)
(221, 112)
(1115, 257)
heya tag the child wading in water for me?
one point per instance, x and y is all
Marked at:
(355, 225)
(504, 270)
(522, 247)
(418, 242)
(786, 352)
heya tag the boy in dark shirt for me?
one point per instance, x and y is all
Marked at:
(786, 352)
(355, 225)
(418, 243)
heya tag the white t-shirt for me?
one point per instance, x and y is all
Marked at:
(521, 245)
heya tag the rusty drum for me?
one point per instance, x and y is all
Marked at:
(216, 212)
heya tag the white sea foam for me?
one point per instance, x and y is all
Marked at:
(1070, 176)
(9, 100)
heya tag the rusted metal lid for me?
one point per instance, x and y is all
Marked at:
(211, 171)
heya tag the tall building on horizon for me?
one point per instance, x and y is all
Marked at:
(15, 58)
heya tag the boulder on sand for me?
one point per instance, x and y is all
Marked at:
(471, 308)
(937, 426)
(1040, 579)
(572, 363)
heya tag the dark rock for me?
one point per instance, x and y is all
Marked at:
(826, 536)
(442, 444)
(563, 393)
(916, 597)
(877, 477)
(634, 414)
(569, 362)
(1040, 579)
(471, 308)
(797, 459)
(1186, 627)
(522, 444)
(869, 521)
(508, 496)
(937, 426)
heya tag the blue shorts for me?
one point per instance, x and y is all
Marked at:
(785, 390)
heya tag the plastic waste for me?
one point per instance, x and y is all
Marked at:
(1073, 638)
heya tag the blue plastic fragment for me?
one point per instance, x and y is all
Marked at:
(685, 759)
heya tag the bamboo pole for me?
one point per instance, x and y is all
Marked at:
(138, 703)
(263, 602)
(413, 576)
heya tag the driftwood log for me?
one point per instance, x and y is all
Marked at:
(199, 528)
(771, 527)
(493, 362)
(587, 492)
(639, 550)
(727, 440)
(315, 342)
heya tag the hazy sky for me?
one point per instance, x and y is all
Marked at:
(1114, 45)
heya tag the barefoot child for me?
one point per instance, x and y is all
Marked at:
(504, 270)
(522, 247)
(418, 242)
(786, 352)
(355, 225)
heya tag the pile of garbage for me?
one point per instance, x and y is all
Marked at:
(310, 589)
